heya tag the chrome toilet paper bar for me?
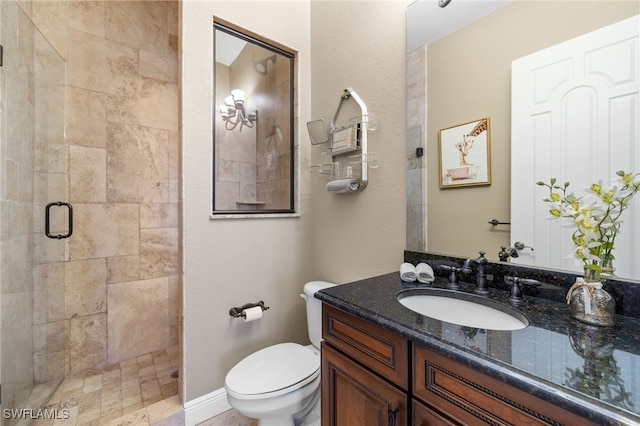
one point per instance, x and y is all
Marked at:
(238, 312)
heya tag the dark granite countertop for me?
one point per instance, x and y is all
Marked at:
(591, 371)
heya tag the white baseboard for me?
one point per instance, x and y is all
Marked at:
(205, 407)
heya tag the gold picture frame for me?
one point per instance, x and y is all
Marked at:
(465, 154)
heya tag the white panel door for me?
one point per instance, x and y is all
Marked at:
(575, 117)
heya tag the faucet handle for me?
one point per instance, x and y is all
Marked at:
(515, 293)
(453, 278)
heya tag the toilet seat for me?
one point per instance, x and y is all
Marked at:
(272, 371)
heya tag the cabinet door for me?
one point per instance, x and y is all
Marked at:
(354, 396)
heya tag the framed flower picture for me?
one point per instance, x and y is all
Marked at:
(465, 154)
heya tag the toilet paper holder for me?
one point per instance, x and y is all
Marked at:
(238, 312)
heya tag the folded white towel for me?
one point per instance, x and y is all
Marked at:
(425, 273)
(408, 272)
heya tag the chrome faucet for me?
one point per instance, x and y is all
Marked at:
(481, 282)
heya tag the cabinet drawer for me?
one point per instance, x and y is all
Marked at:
(470, 397)
(380, 350)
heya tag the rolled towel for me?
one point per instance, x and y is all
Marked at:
(425, 273)
(408, 272)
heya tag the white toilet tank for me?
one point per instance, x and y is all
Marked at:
(314, 310)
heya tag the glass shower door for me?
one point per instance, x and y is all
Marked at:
(33, 173)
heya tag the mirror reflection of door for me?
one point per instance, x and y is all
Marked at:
(575, 117)
(253, 160)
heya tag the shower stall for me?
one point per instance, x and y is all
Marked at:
(89, 150)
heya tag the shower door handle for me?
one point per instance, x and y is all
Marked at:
(46, 220)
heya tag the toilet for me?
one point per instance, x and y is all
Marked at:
(280, 385)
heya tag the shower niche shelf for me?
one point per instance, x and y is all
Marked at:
(346, 145)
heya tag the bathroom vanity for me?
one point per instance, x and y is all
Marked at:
(383, 364)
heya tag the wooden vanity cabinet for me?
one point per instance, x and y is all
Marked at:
(371, 376)
(470, 397)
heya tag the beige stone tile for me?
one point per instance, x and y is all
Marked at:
(132, 400)
(169, 389)
(104, 230)
(160, 65)
(86, 417)
(48, 338)
(85, 287)
(123, 268)
(174, 155)
(158, 252)
(152, 400)
(137, 164)
(92, 384)
(110, 406)
(140, 24)
(147, 371)
(123, 108)
(51, 19)
(158, 215)
(48, 297)
(173, 18)
(138, 318)
(144, 359)
(158, 104)
(90, 402)
(163, 409)
(135, 418)
(87, 16)
(230, 417)
(128, 363)
(49, 366)
(101, 65)
(175, 298)
(87, 346)
(86, 118)
(72, 384)
(131, 408)
(150, 389)
(175, 191)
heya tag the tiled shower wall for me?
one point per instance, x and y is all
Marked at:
(416, 128)
(122, 277)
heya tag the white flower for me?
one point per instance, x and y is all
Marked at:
(596, 220)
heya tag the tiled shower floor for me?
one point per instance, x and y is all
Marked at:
(140, 391)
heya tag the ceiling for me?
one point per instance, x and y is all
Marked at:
(427, 21)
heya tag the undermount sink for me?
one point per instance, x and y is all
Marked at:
(463, 309)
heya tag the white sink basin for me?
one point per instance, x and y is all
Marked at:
(463, 309)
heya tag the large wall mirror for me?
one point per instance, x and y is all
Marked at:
(253, 164)
(466, 69)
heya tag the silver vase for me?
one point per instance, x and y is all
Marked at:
(590, 303)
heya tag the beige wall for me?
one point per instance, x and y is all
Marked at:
(336, 238)
(230, 262)
(469, 77)
(361, 45)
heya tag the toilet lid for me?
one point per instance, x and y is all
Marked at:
(271, 369)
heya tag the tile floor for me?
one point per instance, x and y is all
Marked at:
(139, 391)
(230, 418)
